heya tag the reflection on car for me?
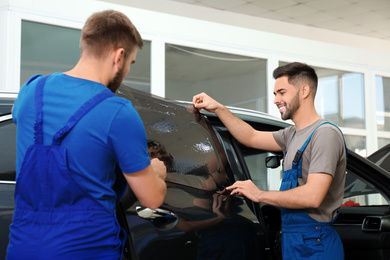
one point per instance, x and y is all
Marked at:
(198, 219)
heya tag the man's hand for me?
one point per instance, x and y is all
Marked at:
(245, 188)
(159, 168)
(203, 101)
(220, 205)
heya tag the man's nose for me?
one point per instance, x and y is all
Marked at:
(276, 99)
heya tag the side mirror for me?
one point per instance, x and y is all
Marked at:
(272, 161)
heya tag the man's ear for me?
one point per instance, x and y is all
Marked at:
(305, 91)
(119, 57)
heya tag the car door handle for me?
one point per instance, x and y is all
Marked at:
(376, 223)
(160, 218)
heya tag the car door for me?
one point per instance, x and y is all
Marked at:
(364, 218)
(197, 220)
(7, 178)
(363, 223)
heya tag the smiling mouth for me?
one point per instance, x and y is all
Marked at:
(281, 108)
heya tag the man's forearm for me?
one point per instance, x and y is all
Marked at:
(237, 127)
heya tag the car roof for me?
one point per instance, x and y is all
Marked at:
(248, 115)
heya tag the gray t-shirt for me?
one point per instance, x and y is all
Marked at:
(324, 154)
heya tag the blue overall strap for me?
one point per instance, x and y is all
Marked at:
(38, 103)
(82, 111)
(298, 155)
(285, 152)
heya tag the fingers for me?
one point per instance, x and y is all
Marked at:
(159, 168)
(234, 186)
(243, 188)
(203, 101)
(197, 100)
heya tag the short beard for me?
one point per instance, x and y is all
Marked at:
(114, 84)
(292, 108)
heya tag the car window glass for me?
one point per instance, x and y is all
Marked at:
(6, 105)
(264, 178)
(356, 192)
(7, 150)
(6, 212)
(6, 196)
(180, 137)
(359, 193)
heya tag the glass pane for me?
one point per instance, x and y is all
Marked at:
(182, 140)
(382, 142)
(7, 150)
(6, 212)
(231, 79)
(264, 178)
(382, 86)
(358, 193)
(356, 144)
(6, 105)
(340, 97)
(47, 49)
(352, 114)
(257, 169)
(139, 74)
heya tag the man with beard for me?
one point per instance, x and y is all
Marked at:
(314, 164)
(73, 136)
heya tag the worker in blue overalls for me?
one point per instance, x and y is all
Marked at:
(73, 134)
(314, 165)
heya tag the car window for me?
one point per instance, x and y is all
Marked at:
(7, 177)
(6, 105)
(381, 157)
(356, 192)
(182, 139)
(7, 149)
(264, 178)
(359, 193)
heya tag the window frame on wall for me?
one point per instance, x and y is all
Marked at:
(14, 70)
(11, 80)
(383, 134)
(188, 47)
(367, 132)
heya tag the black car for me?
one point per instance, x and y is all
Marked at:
(197, 219)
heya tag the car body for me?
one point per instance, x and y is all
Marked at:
(197, 219)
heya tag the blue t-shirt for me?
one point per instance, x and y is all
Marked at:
(110, 133)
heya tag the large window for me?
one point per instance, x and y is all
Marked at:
(383, 142)
(139, 74)
(231, 79)
(382, 86)
(340, 97)
(47, 49)
(356, 144)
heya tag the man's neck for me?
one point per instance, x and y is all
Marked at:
(89, 70)
(305, 119)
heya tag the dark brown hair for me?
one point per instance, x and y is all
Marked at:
(298, 73)
(108, 30)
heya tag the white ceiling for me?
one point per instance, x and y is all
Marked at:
(369, 18)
